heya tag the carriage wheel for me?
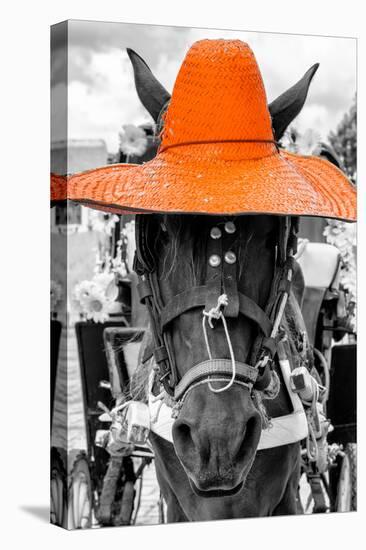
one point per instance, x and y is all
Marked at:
(347, 484)
(58, 490)
(80, 495)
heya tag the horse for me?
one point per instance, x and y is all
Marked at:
(213, 468)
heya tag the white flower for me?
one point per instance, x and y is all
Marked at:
(107, 284)
(82, 291)
(91, 301)
(103, 279)
(96, 308)
(306, 144)
(309, 143)
(130, 241)
(102, 222)
(132, 140)
(56, 294)
(119, 267)
(94, 298)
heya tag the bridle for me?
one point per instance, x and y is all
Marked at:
(221, 279)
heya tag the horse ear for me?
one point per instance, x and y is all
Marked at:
(288, 105)
(152, 94)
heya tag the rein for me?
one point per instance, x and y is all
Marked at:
(220, 299)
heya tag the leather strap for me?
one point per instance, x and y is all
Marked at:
(316, 489)
(196, 297)
(215, 367)
(229, 273)
(284, 232)
(144, 290)
(160, 354)
(213, 273)
(253, 311)
(264, 378)
(144, 259)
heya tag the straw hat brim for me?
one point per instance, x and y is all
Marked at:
(58, 189)
(282, 183)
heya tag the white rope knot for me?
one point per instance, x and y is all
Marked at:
(216, 313)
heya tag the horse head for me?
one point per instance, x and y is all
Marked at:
(193, 259)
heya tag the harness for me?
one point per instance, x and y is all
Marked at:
(220, 299)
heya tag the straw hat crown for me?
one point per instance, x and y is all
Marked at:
(218, 95)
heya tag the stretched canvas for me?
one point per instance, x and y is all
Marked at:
(203, 274)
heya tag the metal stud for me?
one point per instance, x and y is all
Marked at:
(215, 233)
(230, 257)
(230, 227)
(214, 260)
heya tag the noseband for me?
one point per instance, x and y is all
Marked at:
(221, 280)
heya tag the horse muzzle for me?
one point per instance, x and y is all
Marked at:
(215, 438)
(216, 490)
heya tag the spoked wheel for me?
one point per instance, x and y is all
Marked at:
(58, 490)
(80, 495)
(347, 484)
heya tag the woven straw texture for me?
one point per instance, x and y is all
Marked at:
(58, 188)
(217, 154)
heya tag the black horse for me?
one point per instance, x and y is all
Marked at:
(214, 469)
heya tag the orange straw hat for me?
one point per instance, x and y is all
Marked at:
(58, 188)
(218, 154)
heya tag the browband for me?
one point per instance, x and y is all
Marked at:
(196, 297)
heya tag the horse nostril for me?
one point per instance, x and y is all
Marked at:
(182, 433)
(185, 439)
(252, 427)
(189, 446)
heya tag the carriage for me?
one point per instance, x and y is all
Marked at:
(333, 485)
(93, 487)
